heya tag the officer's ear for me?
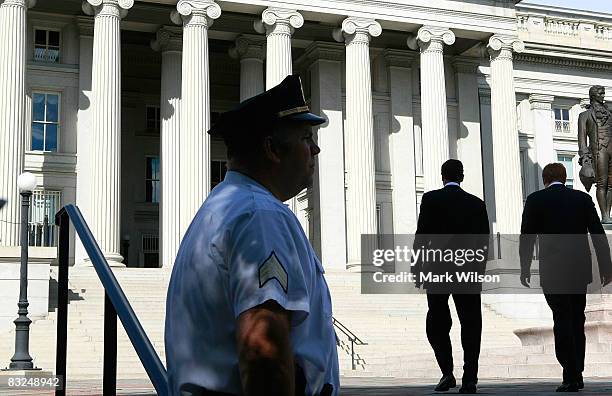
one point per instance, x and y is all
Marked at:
(271, 149)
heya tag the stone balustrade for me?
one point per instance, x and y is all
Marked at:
(546, 25)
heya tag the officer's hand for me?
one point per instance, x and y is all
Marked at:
(525, 279)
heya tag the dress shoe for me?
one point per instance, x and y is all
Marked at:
(446, 382)
(468, 388)
(568, 387)
(580, 382)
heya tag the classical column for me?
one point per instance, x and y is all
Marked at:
(84, 127)
(13, 33)
(468, 114)
(250, 51)
(434, 117)
(278, 24)
(169, 42)
(543, 126)
(401, 141)
(359, 137)
(505, 144)
(328, 209)
(105, 169)
(196, 16)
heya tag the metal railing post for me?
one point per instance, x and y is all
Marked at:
(353, 366)
(63, 221)
(116, 305)
(109, 383)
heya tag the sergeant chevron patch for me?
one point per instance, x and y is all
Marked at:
(272, 268)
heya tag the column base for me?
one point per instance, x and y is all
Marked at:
(114, 261)
(361, 268)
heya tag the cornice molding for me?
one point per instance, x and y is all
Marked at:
(465, 65)
(399, 58)
(248, 46)
(168, 38)
(321, 50)
(563, 62)
(85, 25)
(541, 102)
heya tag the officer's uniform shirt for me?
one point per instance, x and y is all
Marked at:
(243, 248)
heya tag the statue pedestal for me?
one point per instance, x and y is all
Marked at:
(599, 308)
(539, 343)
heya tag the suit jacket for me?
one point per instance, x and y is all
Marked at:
(451, 218)
(561, 218)
(587, 127)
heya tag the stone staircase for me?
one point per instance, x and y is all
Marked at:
(146, 291)
(393, 326)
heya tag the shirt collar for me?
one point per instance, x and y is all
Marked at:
(555, 183)
(240, 178)
(452, 184)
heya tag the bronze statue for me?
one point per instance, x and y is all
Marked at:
(595, 125)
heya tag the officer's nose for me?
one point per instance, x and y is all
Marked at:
(314, 149)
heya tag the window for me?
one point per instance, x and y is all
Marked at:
(562, 121)
(152, 180)
(568, 162)
(46, 45)
(43, 207)
(153, 117)
(524, 159)
(150, 250)
(45, 121)
(217, 173)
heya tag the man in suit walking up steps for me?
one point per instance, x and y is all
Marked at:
(561, 219)
(451, 218)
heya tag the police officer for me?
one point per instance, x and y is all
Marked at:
(248, 309)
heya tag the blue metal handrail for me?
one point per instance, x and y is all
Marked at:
(115, 301)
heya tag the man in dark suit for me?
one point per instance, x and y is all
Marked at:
(561, 219)
(451, 218)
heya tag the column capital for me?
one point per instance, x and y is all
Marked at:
(504, 45)
(541, 102)
(168, 38)
(278, 20)
(399, 58)
(357, 29)
(428, 35)
(195, 12)
(19, 3)
(248, 46)
(116, 8)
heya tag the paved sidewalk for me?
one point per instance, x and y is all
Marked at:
(402, 387)
(361, 387)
